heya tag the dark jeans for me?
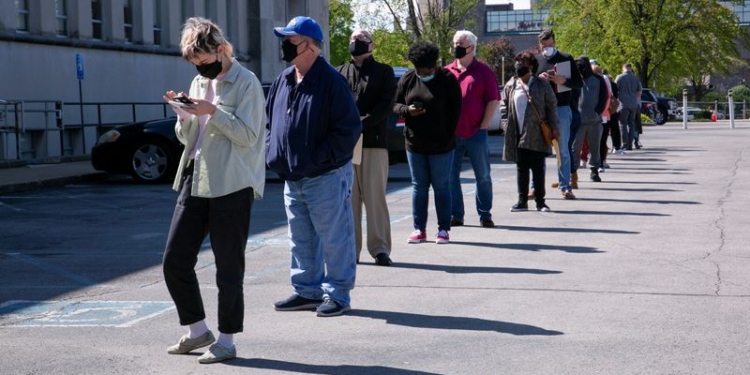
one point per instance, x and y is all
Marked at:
(575, 126)
(227, 220)
(614, 131)
(533, 161)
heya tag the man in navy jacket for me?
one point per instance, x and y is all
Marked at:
(313, 126)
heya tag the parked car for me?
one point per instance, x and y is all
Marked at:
(649, 105)
(147, 150)
(691, 111)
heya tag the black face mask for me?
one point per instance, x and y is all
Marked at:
(358, 48)
(459, 52)
(210, 70)
(521, 70)
(289, 50)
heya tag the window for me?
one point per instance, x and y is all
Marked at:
(515, 21)
(96, 19)
(157, 21)
(128, 20)
(22, 15)
(61, 14)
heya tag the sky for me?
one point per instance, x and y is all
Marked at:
(517, 4)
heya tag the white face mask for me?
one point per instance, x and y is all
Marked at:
(549, 51)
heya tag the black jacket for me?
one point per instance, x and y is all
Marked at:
(434, 132)
(373, 86)
(574, 82)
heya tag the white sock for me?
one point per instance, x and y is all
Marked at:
(197, 329)
(226, 340)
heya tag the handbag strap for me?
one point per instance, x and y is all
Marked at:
(538, 117)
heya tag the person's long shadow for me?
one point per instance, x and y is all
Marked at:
(473, 269)
(453, 323)
(304, 368)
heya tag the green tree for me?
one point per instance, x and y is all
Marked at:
(498, 54)
(433, 20)
(663, 39)
(341, 21)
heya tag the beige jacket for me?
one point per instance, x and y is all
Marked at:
(233, 152)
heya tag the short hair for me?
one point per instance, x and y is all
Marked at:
(363, 32)
(546, 34)
(200, 35)
(627, 66)
(527, 58)
(465, 34)
(597, 69)
(423, 54)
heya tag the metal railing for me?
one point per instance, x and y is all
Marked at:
(18, 117)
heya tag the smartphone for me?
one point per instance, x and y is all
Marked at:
(418, 104)
(550, 72)
(181, 101)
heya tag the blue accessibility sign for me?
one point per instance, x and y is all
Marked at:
(79, 65)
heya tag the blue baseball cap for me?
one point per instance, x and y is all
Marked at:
(300, 25)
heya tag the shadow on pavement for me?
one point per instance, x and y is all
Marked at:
(469, 269)
(303, 368)
(453, 323)
(566, 230)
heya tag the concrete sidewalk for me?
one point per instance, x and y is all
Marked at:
(33, 176)
(645, 273)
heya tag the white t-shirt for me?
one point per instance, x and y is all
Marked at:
(521, 101)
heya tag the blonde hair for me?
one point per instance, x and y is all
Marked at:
(200, 35)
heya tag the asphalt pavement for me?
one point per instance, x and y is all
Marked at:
(645, 273)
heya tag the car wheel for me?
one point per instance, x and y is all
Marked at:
(152, 162)
(660, 118)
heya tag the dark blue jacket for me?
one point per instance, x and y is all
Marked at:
(312, 126)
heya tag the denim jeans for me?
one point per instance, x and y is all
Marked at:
(429, 170)
(565, 115)
(321, 235)
(479, 155)
(627, 126)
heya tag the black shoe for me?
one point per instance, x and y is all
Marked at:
(296, 302)
(331, 308)
(457, 223)
(543, 208)
(520, 206)
(638, 146)
(595, 175)
(383, 259)
(487, 223)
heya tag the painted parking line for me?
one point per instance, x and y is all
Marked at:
(118, 314)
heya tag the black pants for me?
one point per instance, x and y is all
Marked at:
(614, 130)
(227, 220)
(533, 161)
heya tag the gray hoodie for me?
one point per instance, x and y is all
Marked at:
(593, 97)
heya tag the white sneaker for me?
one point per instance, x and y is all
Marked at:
(601, 170)
(622, 152)
(583, 163)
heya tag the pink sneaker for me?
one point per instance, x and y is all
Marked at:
(417, 236)
(442, 237)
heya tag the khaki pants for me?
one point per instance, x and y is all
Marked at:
(368, 188)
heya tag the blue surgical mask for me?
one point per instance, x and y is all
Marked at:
(426, 78)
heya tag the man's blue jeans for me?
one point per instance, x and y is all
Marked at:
(426, 170)
(479, 155)
(321, 235)
(565, 116)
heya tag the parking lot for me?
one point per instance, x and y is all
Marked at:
(646, 273)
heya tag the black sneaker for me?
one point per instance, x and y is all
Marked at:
(595, 175)
(383, 259)
(520, 206)
(487, 223)
(296, 302)
(331, 308)
(457, 223)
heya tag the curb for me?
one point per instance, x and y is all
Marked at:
(53, 182)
